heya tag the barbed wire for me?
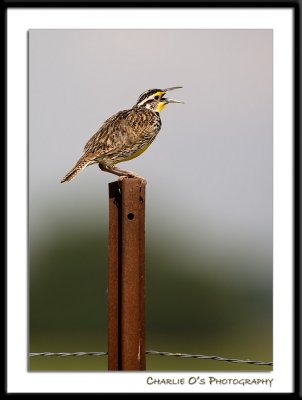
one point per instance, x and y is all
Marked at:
(65, 354)
(153, 353)
(204, 357)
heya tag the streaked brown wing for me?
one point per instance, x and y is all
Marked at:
(101, 139)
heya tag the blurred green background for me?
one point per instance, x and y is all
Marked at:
(199, 312)
(209, 265)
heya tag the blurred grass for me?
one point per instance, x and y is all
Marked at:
(200, 312)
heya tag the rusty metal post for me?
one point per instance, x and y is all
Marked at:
(126, 279)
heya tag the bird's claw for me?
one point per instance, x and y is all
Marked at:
(133, 176)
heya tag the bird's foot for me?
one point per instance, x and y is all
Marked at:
(131, 174)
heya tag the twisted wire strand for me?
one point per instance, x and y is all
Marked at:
(204, 357)
(65, 354)
(154, 353)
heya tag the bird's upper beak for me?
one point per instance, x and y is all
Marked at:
(171, 100)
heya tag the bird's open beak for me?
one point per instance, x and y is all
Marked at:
(171, 100)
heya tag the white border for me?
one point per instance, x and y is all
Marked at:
(19, 21)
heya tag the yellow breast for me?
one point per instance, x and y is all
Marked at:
(138, 153)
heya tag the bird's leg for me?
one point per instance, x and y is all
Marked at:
(120, 172)
(123, 172)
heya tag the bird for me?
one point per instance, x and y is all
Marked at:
(125, 135)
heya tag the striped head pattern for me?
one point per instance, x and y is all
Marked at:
(153, 99)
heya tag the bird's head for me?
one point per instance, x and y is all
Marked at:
(155, 100)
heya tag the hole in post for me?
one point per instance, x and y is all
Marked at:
(131, 216)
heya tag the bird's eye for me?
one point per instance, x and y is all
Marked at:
(156, 97)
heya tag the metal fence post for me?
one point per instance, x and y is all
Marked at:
(126, 278)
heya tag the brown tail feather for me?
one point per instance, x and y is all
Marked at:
(80, 165)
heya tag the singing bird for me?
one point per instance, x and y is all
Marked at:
(125, 135)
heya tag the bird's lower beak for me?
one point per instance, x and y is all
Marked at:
(172, 100)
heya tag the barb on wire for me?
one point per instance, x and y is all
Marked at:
(155, 353)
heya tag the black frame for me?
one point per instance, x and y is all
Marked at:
(295, 5)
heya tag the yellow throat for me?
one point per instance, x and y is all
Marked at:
(161, 106)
